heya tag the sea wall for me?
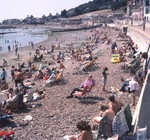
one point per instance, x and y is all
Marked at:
(141, 40)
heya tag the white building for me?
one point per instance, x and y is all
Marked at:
(146, 6)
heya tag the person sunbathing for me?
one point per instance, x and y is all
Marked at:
(130, 62)
(12, 101)
(61, 66)
(85, 87)
(27, 74)
(85, 132)
(114, 104)
(122, 57)
(104, 111)
(38, 95)
(45, 76)
(33, 67)
(39, 75)
(3, 85)
(88, 65)
(52, 78)
(10, 94)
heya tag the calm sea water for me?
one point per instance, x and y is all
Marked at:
(20, 37)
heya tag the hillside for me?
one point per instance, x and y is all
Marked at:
(90, 7)
(94, 5)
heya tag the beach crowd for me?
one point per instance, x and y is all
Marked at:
(19, 82)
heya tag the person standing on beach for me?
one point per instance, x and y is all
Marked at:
(104, 78)
(18, 56)
(18, 77)
(144, 22)
(3, 74)
(16, 49)
(63, 56)
(9, 48)
(4, 63)
(12, 71)
(114, 48)
(32, 45)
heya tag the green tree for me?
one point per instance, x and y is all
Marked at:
(117, 4)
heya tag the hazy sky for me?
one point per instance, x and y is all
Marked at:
(21, 8)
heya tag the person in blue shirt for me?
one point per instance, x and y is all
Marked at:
(3, 74)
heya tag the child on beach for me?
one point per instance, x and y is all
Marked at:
(104, 78)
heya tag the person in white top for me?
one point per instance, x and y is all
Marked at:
(134, 87)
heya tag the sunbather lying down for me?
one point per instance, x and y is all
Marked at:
(85, 87)
(34, 96)
(28, 83)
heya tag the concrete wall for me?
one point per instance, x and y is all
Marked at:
(139, 39)
(142, 112)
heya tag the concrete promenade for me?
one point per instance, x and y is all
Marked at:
(142, 112)
(140, 37)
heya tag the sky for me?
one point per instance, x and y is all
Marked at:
(21, 8)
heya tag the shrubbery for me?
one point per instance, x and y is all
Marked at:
(117, 4)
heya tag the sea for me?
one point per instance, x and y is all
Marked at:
(21, 37)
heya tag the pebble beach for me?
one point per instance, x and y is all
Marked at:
(55, 116)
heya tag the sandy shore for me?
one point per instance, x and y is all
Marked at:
(57, 115)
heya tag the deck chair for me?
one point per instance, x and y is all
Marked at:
(128, 116)
(59, 81)
(104, 129)
(79, 70)
(97, 54)
(135, 65)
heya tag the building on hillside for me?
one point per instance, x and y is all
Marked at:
(137, 13)
(137, 10)
(140, 9)
(71, 21)
(146, 8)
